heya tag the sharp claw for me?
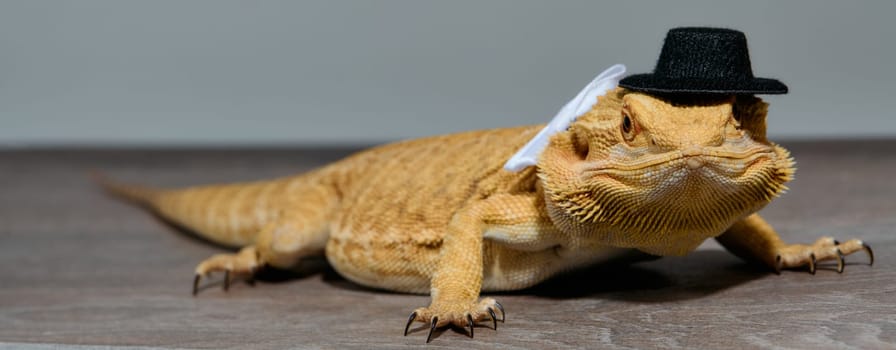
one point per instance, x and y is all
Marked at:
(491, 313)
(470, 324)
(868, 250)
(812, 262)
(251, 279)
(840, 261)
(226, 280)
(432, 327)
(778, 264)
(196, 284)
(503, 314)
(410, 320)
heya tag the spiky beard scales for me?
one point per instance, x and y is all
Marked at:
(667, 209)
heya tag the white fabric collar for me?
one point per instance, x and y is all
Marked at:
(582, 103)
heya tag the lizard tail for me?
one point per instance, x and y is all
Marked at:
(227, 214)
(141, 195)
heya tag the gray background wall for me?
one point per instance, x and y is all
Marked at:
(214, 72)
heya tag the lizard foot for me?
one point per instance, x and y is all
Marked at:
(242, 264)
(825, 248)
(457, 314)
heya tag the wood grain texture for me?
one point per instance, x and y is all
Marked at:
(77, 268)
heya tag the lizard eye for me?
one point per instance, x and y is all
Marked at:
(628, 127)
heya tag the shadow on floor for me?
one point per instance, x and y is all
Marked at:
(699, 274)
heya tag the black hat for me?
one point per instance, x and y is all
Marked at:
(703, 61)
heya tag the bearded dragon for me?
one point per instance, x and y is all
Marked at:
(440, 215)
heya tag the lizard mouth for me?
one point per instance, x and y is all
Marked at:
(708, 162)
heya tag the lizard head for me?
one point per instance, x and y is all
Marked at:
(662, 174)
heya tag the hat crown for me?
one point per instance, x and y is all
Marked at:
(699, 60)
(705, 53)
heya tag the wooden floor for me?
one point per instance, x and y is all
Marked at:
(77, 268)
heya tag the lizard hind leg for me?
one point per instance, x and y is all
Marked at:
(281, 244)
(300, 230)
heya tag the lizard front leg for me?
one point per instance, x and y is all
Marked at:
(752, 238)
(457, 281)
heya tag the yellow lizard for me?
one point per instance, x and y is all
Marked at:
(637, 172)
(440, 215)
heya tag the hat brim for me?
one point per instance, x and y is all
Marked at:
(653, 84)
